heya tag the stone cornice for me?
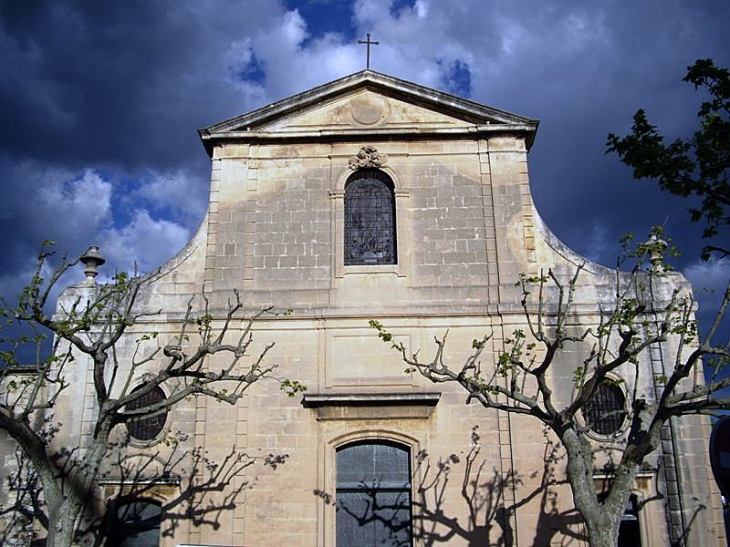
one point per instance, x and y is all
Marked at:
(483, 118)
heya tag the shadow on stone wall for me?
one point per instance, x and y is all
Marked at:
(460, 497)
(185, 486)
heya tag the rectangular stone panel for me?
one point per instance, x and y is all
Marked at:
(358, 358)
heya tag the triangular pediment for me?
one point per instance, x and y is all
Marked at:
(363, 103)
(364, 109)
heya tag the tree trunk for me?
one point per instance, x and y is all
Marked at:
(602, 518)
(64, 518)
(603, 533)
(62, 528)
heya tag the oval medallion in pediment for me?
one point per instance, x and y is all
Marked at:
(368, 110)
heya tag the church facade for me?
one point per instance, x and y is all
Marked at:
(375, 198)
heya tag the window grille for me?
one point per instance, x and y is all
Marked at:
(629, 532)
(370, 219)
(145, 429)
(373, 495)
(606, 411)
(136, 524)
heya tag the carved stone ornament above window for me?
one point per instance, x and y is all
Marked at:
(368, 156)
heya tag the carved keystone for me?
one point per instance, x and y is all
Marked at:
(367, 157)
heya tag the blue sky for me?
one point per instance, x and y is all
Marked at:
(100, 103)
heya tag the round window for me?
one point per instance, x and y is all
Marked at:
(606, 411)
(147, 428)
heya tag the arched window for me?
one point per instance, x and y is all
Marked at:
(373, 495)
(146, 429)
(136, 524)
(606, 411)
(370, 219)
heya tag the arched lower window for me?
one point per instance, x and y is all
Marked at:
(629, 533)
(606, 411)
(370, 231)
(136, 524)
(146, 429)
(373, 495)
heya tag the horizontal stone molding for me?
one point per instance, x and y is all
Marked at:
(371, 406)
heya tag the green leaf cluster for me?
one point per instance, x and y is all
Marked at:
(292, 387)
(696, 166)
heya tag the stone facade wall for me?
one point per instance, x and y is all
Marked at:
(466, 228)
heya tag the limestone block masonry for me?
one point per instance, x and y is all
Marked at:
(465, 228)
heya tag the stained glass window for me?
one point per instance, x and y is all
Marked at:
(369, 219)
(373, 495)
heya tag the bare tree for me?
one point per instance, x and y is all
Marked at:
(205, 487)
(57, 485)
(649, 311)
(25, 507)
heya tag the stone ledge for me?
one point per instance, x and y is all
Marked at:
(371, 406)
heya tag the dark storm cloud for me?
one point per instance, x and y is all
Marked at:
(100, 102)
(583, 71)
(119, 83)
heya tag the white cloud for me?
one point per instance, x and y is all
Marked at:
(413, 46)
(79, 209)
(596, 244)
(290, 65)
(55, 204)
(293, 28)
(179, 191)
(709, 280)
(144, 242)
(710, 274)
(80, 201)
(572, 65)
(241, 62)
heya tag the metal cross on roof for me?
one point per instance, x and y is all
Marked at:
(368, 43)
